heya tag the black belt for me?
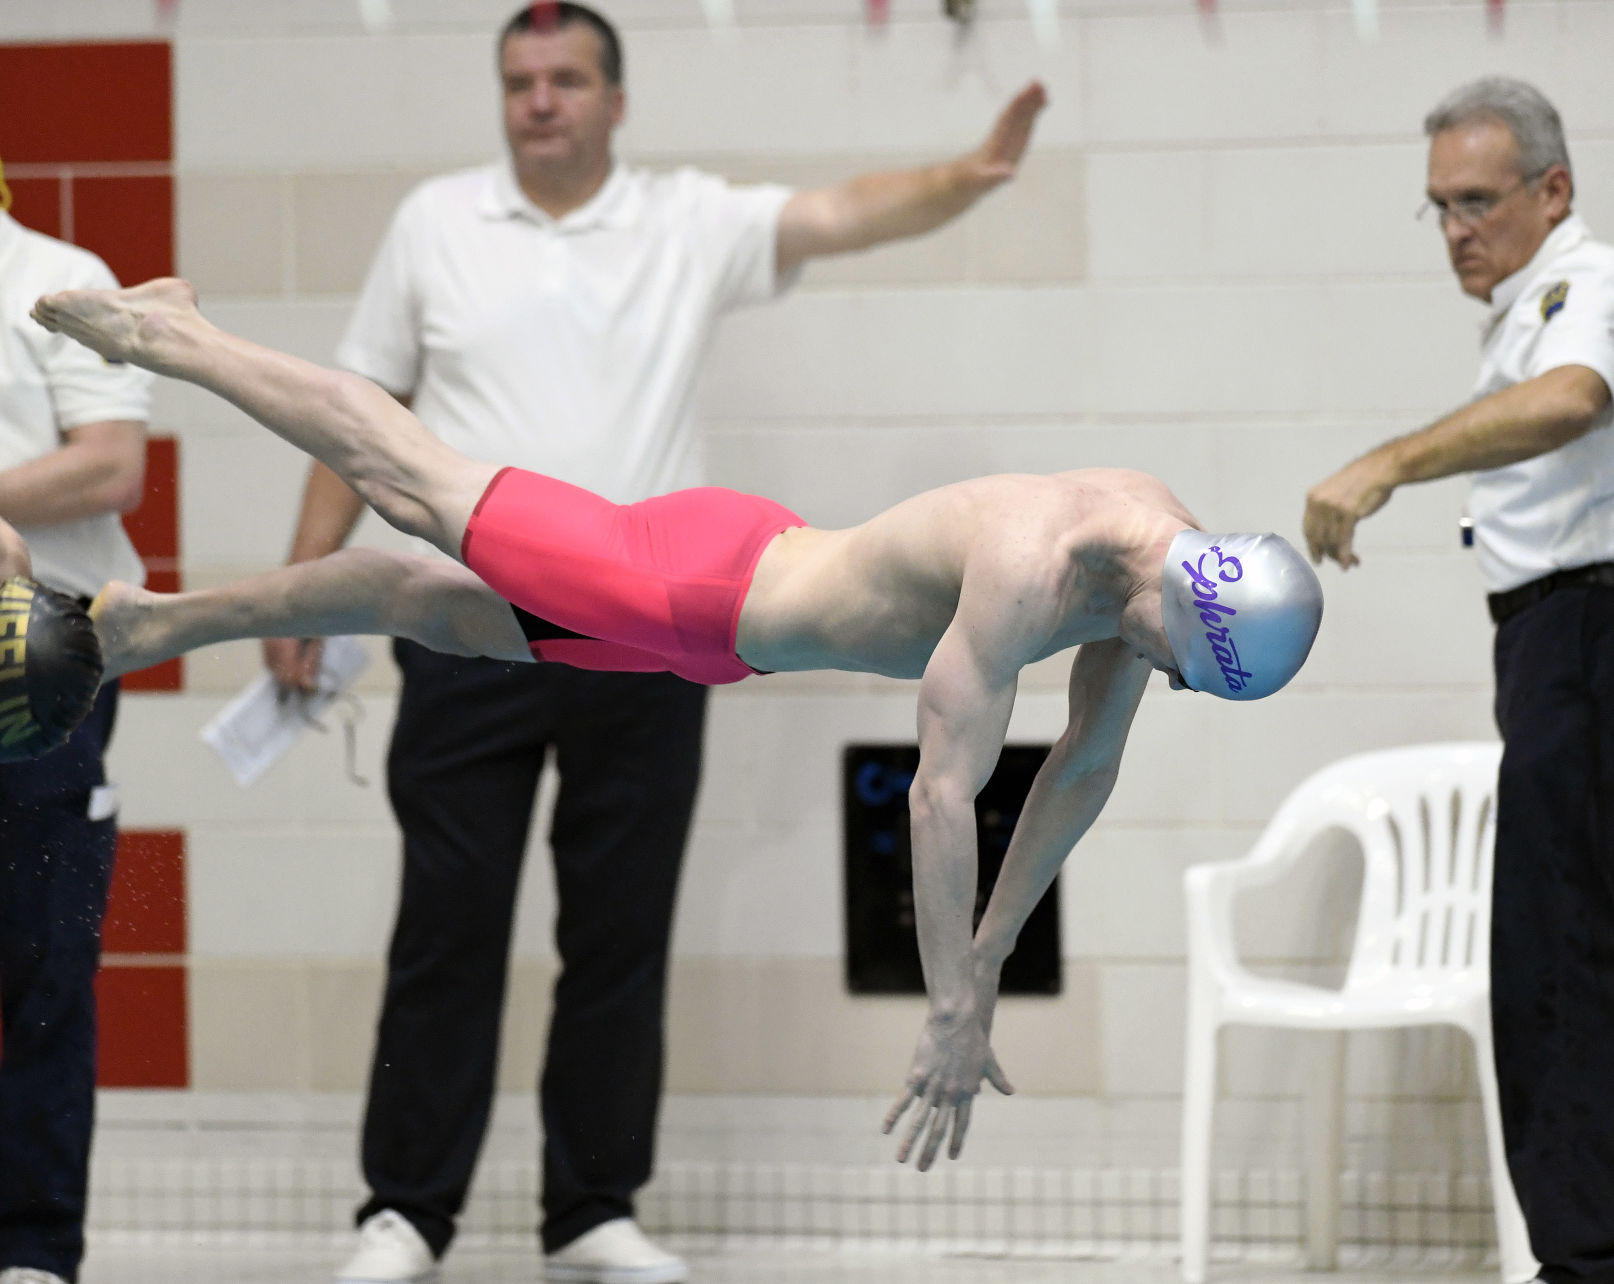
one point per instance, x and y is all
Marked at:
(1515, 600)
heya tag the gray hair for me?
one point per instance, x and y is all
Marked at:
(1524, 109)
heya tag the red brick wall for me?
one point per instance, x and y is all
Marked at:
(96, 168)
(86, 134)
(141, 990)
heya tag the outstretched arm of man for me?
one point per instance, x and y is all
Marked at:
(1107, 680)
(965, 700)
(1517, 423)
(874, 208)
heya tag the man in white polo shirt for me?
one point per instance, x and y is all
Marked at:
(72, 458)
(1537, 435)
(553, 312)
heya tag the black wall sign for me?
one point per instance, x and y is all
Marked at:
(882, 946)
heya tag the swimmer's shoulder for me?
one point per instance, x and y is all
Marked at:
(1119, 480)
(1128, 486)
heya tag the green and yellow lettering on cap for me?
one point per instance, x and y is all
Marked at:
(16, 603)
(16, 720)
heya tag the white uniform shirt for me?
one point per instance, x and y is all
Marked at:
(571, 346)
(50, 384)
(1555, 511)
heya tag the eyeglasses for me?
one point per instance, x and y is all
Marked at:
(1470, 211)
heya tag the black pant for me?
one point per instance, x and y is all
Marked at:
(55, 868)
(1552, 937)
(465, 760)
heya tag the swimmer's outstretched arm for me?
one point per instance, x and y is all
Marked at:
(437, 603)
(1107, 680)
(1005, 617)
(360, 432)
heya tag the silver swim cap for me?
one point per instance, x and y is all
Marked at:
(1241, 612)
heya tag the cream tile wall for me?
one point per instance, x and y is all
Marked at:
(1209, 269)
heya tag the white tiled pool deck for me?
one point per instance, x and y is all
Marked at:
(128, 1259)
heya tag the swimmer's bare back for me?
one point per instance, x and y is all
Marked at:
(876, 598)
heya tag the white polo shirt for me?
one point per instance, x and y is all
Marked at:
(1555, 511)
(568, 346)
(50, 384)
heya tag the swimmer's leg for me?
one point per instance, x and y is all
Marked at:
(439, 604)
(364, 435)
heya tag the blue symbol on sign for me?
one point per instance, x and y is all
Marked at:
(877, 785)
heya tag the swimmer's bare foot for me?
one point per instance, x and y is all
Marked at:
(130, 633)
(141, 325)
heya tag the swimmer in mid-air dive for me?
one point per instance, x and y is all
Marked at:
(960, 587)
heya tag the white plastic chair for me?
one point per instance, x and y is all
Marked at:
(1424, 816)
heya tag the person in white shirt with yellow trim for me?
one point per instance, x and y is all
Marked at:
(1537, 438)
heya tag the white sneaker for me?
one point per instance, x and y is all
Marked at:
(28, 1275)
(614, 1253)
(391, 1251)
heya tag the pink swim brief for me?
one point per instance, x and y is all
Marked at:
(648, 587)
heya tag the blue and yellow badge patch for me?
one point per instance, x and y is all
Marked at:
(1552, 302)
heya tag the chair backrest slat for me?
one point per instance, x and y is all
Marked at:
(1425, 817)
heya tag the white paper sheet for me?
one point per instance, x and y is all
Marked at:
(258, 726)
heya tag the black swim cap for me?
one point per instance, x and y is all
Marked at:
(50, 668)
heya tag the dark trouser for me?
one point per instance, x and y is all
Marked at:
(1552, 938)
(466, 755)
(55, 868)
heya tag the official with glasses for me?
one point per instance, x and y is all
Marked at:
(1469, 212)
(1536, 437)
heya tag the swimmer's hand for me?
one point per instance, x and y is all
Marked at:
(1335, 505)
(997, 159)
(953, 1056)
(294, 662)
